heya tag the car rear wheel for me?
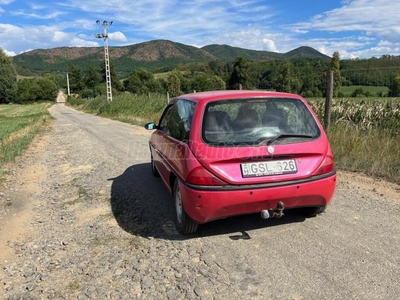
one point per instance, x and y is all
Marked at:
(185, 224)
(154, 170)
(313, 211)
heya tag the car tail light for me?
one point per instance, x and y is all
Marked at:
(326, 166)
(201, 176)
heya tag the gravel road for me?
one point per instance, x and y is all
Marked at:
(82, 218)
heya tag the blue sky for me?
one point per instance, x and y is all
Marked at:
(354, 28)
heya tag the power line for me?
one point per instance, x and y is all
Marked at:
(123, 5)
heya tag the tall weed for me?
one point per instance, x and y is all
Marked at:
(127, 108)
(365, 135)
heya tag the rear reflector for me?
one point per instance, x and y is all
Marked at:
(326, 166)
(201, 176)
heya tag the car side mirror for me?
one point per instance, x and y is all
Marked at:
(150, 126)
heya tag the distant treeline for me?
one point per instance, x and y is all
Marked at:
(305, 76)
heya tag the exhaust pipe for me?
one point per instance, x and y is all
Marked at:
(265, 214)
(269, 213)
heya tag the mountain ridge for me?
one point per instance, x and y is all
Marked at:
(151, 54)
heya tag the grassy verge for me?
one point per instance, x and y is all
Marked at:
(18, 126)
(126, 108)
(365, 135)
(365, 132)
(373, 152)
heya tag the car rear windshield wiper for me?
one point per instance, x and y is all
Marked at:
(285, 135)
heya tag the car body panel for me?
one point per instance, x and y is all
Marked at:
(207, 205)
(176, 156)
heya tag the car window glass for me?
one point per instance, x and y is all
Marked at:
(248, 121)
(164, 118)
(181, 119)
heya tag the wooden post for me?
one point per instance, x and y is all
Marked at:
(328, 100)
(167, 97)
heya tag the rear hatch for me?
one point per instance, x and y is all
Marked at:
(251, 141)
(263, 164)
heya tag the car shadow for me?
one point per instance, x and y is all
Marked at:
(142, 205)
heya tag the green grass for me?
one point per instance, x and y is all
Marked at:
(347, 91)
(18, 126)
(365, 135)
(125, 107)
(372, 151)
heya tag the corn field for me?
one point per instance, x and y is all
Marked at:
(365, 135)
(366, 113)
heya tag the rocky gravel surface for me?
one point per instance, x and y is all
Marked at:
(82, 218)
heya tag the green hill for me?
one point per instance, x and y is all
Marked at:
(151, 55)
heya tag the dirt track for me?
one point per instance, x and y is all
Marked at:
(82, 218)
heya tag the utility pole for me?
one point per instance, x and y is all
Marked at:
(69, 92)
(104, 36)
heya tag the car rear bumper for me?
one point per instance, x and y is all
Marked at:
(204, 205)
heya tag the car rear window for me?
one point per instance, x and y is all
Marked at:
(255, 121)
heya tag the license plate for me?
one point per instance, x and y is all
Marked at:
(266, 168)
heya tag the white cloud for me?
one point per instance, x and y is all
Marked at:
(372, 20)
(77, 42)
(269, 45)
(48, 16)
(356, 27)
(373, 17)
(60, 36)
(9, 53)
(117, 36)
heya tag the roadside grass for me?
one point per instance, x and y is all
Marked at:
(364, 132)
(18, 126)
(365, 135)
(372, 151)
(125, 107)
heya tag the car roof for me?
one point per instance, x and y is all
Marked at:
(233, 94)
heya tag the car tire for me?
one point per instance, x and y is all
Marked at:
(184, 223)
(154, 170)
(313, 211)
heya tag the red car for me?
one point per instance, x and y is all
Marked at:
(226, 153)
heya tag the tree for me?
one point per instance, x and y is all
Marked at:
(142, 81)
(216, 83)
(395, 87)
(283, 84)
(48, 89)
(240, 76)
(337, 78)
(200, 83)
(133, 84)
(8, 79)
(174, 83)
(27, 90)
(37, 89)
(92, 77)
(76, 82)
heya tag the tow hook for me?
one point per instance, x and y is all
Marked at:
(279, 210)
(278, 213)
